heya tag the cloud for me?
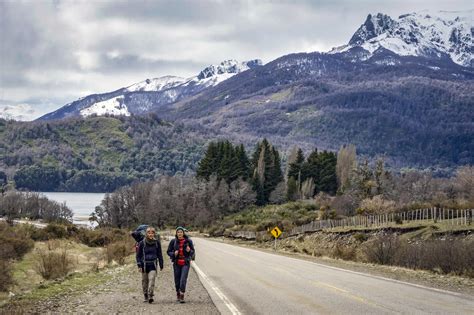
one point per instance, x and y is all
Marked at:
(17, 112)
(61, 49)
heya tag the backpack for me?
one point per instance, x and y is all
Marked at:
(139, 233)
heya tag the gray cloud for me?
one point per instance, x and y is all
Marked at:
(53, 52)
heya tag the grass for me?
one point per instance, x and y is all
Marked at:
(30, 287)
(85, 259)
(282, 95)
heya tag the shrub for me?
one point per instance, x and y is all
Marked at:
(118, 252)
(360, 237)
(382, 250)
(344, 252)
(398, 219)
(54, 230)
(377, 205)
(6, 276)
(53, 264)
(14, 244)
(449, 256)
(101, 236)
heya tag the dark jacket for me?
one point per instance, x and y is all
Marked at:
(174, 246)
(147, 255)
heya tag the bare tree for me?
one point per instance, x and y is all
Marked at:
(346, 162)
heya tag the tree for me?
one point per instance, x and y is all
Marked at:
(346, 162)
(327, 176)
(267, 172)
(307, 188)
(464, 182)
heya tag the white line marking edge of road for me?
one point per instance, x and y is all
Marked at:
(232, 308)
(356, 272)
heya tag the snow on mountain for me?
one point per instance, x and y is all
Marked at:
(156, 84)
(113, 106)
(172, 87)
(431, 34)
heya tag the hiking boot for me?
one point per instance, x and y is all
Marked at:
(181, 298)
(145, 298)
(178, 296)
(150, 300)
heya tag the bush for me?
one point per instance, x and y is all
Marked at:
(344, 252)
(382, 250)
(360, 237)
(398, 219)
(449, 256)
(53, 264)
(118, 252)
(54, 230)
(6, 276)
(14, 244)
(101, 236)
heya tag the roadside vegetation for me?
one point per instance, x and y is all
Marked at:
(35, 259)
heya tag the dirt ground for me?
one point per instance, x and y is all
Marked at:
(121, 294)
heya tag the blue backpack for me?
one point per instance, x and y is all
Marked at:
(139, 233)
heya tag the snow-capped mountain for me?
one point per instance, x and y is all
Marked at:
(151, 93)
(427, 34)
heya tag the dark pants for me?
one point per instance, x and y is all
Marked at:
(180, 277)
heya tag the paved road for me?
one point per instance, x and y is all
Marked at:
(254, 282)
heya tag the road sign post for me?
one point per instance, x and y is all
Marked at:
(276, 232)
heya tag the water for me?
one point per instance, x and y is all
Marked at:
(81, 204)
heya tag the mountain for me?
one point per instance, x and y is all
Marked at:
(150, 94)
(428, 34)
(414, 109)
(401, 88)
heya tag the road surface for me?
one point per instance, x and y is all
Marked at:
(247, 281)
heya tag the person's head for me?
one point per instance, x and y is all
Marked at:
(150, 233)
(180, 232)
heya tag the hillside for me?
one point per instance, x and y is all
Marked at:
(415, 111)
(97, 154)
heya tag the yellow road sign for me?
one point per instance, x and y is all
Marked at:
(275, 232)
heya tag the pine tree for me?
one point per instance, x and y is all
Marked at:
(208, 165)
(327, 177)
(294, 167)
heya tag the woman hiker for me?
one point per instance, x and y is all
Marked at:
(181, 252)
(148, 252)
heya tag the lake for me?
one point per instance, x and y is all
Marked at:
(81, 204)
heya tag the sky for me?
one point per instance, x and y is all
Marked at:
(54, 52)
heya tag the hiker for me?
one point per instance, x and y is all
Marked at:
(148, 252)
(181, 252)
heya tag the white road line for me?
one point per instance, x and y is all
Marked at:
(219, 293)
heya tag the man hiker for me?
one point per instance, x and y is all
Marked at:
(148, 252)
(181, 252)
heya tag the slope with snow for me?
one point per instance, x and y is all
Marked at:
(429, 34)
(113, 106)
(146, 95)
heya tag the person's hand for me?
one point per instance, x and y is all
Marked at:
(176, 253)
(140, 269)
(188, 249)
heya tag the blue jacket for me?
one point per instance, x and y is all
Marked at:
(147, 255)
(174, 245)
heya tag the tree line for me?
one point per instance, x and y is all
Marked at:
(34, 206)
(228, 181)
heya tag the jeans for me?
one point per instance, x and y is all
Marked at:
(180, 277)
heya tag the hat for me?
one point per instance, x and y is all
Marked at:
(181, 228)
